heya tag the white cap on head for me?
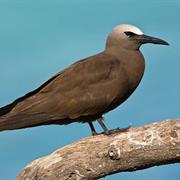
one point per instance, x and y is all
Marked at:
(118, 37)
(128, 27)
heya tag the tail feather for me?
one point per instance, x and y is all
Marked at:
(18, 122)
(6, 109)
(9, 122)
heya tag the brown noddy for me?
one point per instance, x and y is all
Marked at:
(87, 89)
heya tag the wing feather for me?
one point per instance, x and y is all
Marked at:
(83, 89)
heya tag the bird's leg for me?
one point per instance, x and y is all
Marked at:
(92, 129)
(100, 121)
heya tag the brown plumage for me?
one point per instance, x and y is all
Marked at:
(87, 89)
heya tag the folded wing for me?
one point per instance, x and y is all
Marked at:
(85, 88)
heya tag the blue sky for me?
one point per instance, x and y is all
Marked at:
(40, 38)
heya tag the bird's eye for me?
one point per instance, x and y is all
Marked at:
(129, 33)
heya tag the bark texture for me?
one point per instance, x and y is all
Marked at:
(95, 157)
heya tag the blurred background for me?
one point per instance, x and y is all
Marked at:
(39, 38)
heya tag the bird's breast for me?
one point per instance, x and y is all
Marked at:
(134, 67)
(128, 77)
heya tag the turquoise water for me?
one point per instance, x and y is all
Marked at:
(39, 38)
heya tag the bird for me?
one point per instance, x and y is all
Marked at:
(86, 90)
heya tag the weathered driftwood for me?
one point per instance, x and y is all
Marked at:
(94, 157)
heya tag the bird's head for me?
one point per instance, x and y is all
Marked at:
(130, 37)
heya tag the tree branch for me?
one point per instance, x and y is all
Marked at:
(95, 157)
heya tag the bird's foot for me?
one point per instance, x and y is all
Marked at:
(117, 130)
(107, 132)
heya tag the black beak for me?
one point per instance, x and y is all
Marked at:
(149, 39)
